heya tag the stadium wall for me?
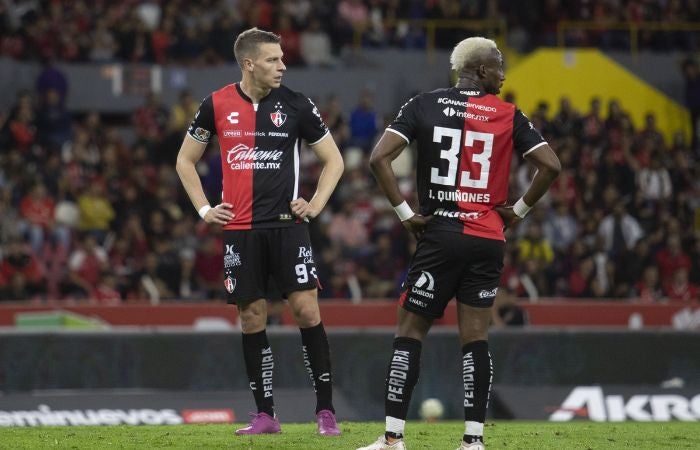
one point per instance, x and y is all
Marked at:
(526, 361)
(202, 316)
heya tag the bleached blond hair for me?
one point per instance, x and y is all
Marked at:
(470, 52)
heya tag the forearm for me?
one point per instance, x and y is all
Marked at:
(540, 184)
(330, 175)
(381, 169)
(191, 182)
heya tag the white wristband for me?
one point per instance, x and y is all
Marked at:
(204, 210)
(520, 208)
(404, 211)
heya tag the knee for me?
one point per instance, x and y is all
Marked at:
(252, 319)
(307, 315)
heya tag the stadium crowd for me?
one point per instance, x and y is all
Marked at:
(314, 32)
(87, 215)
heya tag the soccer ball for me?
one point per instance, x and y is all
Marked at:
(431, 409)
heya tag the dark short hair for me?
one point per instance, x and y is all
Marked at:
(246, 44)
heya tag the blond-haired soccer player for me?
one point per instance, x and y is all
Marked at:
(465, 138)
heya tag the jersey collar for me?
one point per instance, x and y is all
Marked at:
(245, 97)
(470, 91)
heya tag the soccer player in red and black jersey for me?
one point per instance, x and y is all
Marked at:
(260, 124)
(465, 138)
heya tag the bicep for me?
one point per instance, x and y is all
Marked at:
(389, 147)
(543, 157)
(326, 148)
(191, 150)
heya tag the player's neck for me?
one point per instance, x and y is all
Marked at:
(253, 92)
(468, 83)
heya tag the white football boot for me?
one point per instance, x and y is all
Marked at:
(472, 446)
(382, 444)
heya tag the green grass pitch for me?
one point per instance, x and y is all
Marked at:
(419, 436)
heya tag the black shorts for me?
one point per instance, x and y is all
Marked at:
(259, 263)
(448, 265)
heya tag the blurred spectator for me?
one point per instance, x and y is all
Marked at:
(680, 289)
(363, 122)
(671, 258)
(315, 46)
(85, 267)
(619, 231)
(291, 41)
(150, 120)
(592, 123)
(104, 45)
(105, 292)
(384, 269)
(22, 128)
(648, 288)
(38, 209)
(580, 279)
(96, 212)
(332, 115)
(22, 276)
(534, 246)
(151, 285)
(560, 229)
(347, 230)
(209, 266)
(566, 121)
(654, 181)
(53, 121)
(51, 78)
(691, 73)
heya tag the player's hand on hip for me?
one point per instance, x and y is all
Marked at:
(220, 214)
(510, 219)
(416, 224)
(303, 209)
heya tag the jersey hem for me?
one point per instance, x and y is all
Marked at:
(319, 140)
(535, 147)
(408, 141)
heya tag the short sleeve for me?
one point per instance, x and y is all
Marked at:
(526, 138)
(312, 128)
(406, 122)
(203, 126)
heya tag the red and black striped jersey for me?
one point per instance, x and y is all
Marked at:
(259, 146)
(465, 140)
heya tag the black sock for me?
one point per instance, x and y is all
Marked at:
(401, 378)
(259, 366)
(317, 359)
(470, 439)
(477, 374)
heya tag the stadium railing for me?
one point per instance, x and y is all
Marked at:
(632, 28)
(492, 28)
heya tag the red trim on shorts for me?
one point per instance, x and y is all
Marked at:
(402, 297)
